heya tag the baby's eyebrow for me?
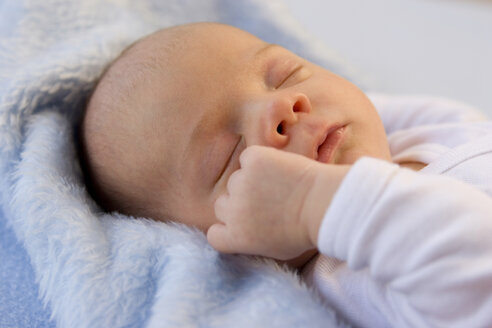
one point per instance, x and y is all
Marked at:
(266, 49)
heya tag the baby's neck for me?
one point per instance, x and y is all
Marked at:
(416, 166)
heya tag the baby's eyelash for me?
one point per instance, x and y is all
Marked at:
(292, 73)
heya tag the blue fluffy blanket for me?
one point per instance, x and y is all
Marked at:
(92, 269)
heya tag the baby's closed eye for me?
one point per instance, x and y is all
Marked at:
(298, 75)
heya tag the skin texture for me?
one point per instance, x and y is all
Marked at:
(168, 122)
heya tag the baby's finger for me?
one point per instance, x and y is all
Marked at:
(232, 182)
(221, 208)
(250, 155)
(218, 237)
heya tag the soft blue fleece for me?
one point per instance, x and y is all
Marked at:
(96, 270)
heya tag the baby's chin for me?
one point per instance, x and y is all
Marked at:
(299, 262)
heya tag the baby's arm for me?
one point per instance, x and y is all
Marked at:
(425, 240)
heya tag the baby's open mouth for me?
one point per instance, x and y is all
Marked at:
(329, 145)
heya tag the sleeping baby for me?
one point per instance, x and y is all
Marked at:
(271, 155)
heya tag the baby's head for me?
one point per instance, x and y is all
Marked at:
(167, 121)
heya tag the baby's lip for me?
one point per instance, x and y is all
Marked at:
(329, 142)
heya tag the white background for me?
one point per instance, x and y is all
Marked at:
(436, 47)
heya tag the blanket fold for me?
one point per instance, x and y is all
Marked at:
(108, 270)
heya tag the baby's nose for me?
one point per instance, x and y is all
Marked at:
(281, 114)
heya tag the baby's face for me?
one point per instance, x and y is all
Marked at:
(223, 90)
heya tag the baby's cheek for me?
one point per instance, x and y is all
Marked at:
(204, 216)
(220, 189)
(197, 212)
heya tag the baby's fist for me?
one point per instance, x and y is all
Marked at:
(260, 212)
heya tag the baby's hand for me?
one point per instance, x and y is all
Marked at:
(274, 204)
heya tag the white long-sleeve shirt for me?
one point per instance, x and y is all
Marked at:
(413, 249)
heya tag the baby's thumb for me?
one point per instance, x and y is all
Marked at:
(218, 237)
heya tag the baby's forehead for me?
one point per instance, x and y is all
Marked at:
(176, 55)
(159, 81)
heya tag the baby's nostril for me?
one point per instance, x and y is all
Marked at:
(280, 128)
(297, 107)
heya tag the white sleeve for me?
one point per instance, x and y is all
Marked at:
(400, 112)
(425, 240)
